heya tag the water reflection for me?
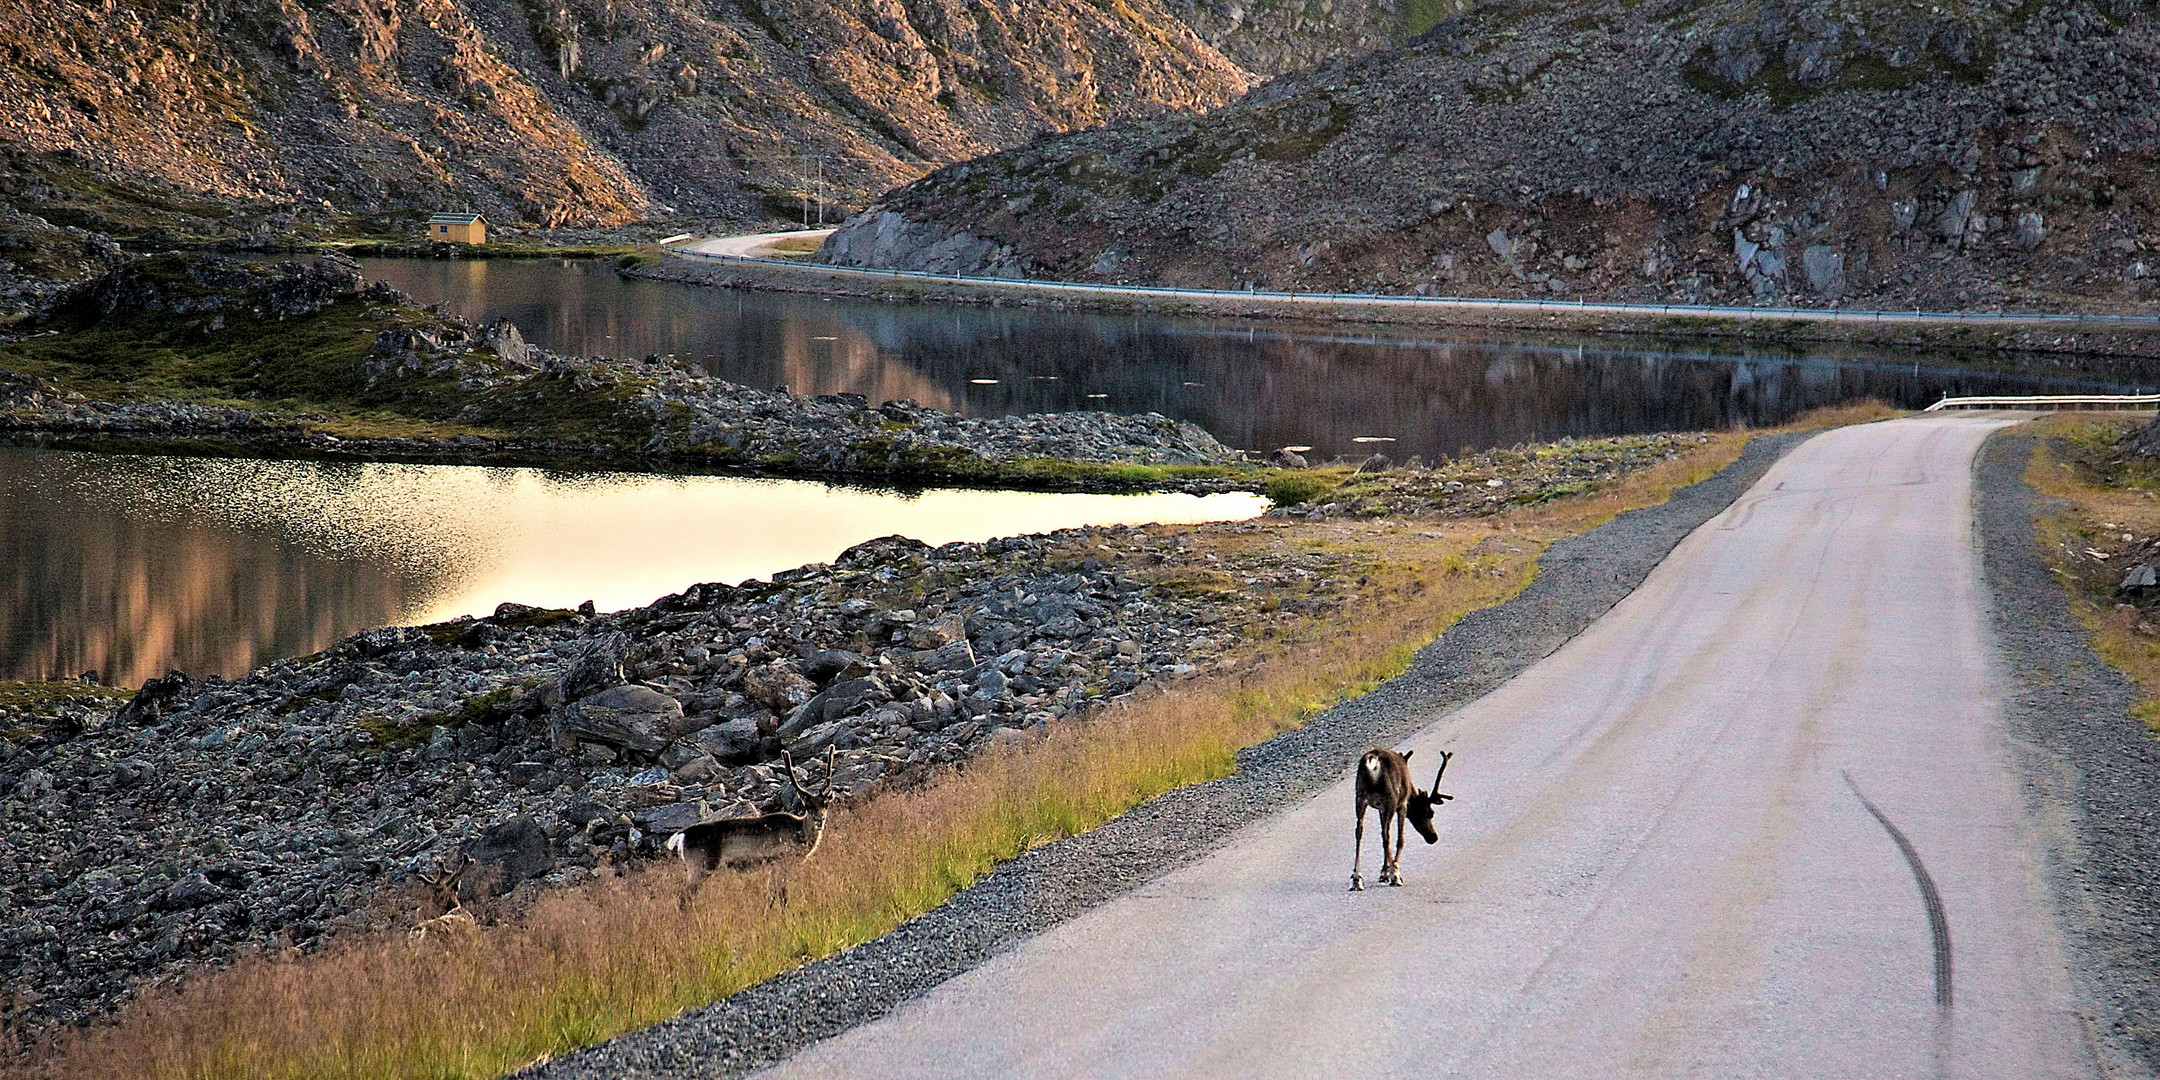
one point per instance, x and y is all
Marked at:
(129, 565)
(1256, 385)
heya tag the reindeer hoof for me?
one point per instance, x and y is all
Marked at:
(1357, 884)
(1396, 881)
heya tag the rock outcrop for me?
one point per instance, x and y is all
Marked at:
(1800, 152)
(122, 115)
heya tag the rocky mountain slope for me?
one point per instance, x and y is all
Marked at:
(1275, 37)
(1972, 154)
(554, 112)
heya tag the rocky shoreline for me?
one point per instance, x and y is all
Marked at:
(485, 395)
(142, 840)
(2022, 345)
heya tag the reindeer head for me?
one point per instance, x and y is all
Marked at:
(1420, 809)
(814, 803)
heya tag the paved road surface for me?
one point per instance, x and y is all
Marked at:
(1659, 862)
(749, 247)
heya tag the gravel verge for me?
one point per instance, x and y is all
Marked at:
(2094, 773)
(1577, 581)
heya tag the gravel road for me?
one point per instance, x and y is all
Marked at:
(1764, 818)
(2093, 773)
(1578, 580)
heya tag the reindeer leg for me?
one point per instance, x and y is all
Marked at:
(1387, 862)
(1357, 881)
(1402, 829)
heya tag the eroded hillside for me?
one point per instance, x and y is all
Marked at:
(1962, 155)
(554, 112)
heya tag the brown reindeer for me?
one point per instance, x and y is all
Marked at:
(741, 842)
(444, 889)
(1383, 783)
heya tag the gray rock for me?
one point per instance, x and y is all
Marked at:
(1825, 270)
(2141, 576)
(600, 665)
(730, 741)
(189, 893)
(958, 656)
(778, 686)
(670, 818)
(638, 719)
(515, 850)
(2031, 228)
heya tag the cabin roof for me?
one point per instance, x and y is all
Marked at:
(453, 219)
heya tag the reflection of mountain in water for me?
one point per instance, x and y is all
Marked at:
(128, 565)
(96, 582)
(1256, 385)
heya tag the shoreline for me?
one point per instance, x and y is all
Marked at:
(283, 443)
(1576, 581)
(1985, 335)
(559, 741)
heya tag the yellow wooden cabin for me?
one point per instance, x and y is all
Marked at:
(457, 228)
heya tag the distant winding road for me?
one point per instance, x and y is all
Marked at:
(748, 248)
(1759, 820)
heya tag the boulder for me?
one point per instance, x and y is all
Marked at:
(637, 719)
(735, 740)
(603, 663)
(841, 699)
(515, 849)
(670, 818)
(778, 686)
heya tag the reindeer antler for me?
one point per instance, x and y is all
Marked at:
(1445, 757)
(444, 882)
(832, 759)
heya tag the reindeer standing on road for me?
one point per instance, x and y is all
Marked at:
(1383, 783)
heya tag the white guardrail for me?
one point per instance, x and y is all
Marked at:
(1578, 306)
(2060, 401)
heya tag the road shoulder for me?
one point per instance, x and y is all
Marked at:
(1578, 580)
(2092, 772)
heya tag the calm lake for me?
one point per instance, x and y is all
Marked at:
(130, 565)
(1254, 384)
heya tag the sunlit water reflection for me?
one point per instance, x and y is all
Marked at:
(1254, 384)
(129, 565)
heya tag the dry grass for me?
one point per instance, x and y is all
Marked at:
(1858, 412)
(792, 246)
(2074, 461)
(634, 948)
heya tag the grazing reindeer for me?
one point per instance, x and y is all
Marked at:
(740, 842)
(1383, 783)
(444, 886)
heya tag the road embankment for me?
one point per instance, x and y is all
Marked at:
(1577, 580)
(2091, 770)
(1979, 334)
